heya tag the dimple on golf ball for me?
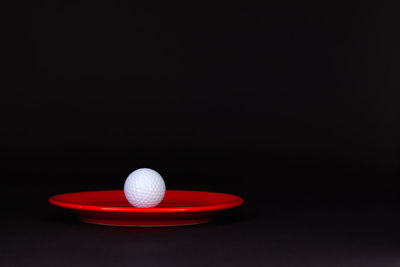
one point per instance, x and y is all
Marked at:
(144, 188)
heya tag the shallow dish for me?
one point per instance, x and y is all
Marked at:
(178, 207)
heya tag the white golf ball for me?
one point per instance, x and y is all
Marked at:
(144, 188)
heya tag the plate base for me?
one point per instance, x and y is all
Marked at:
(145, 224)
(144, 219)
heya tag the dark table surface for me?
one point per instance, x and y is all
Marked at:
(270, 230)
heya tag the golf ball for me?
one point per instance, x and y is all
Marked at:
(144, 188)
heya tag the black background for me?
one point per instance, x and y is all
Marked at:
(293, 106)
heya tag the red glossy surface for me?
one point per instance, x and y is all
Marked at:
(177, 208)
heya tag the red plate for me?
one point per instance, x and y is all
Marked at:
(177, 208)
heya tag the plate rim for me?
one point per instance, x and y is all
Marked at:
(237, 201)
